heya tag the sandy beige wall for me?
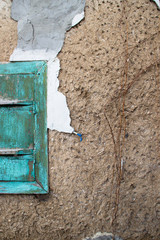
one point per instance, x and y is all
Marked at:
(8, 31)
(110, 74)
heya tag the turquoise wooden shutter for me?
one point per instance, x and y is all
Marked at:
(23, 128)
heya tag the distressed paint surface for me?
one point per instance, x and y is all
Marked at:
(17, 168)
(17, 127)
(41, 165)
(42, 24)
(58, 111)
(81, 173)
(16, 151)
(23, 120)
(23, 68)
(21, 187)
(41, 31)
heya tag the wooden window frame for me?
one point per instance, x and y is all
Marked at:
(40, 185)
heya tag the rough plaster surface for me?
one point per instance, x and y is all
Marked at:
(8, 30)
(82, 189)
(41, 31)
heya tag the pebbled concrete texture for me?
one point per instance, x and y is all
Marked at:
(83, 177)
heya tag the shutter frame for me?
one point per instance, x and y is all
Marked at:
(38, 71)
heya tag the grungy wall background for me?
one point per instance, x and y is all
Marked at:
(110, 181)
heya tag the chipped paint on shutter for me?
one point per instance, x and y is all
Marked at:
(23, 133)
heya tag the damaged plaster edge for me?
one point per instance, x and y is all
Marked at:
(32, 55)
(57, 108)
(58, 115)
(157, 2)
(78, 18)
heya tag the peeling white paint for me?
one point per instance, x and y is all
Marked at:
(58, 115)
(57, 112)
(77, 19)
(32, 55)
(157, 2)
(32, 45)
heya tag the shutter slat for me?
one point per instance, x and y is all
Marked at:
(8, 102)
(15, 151)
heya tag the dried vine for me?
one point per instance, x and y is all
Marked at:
(119, 141)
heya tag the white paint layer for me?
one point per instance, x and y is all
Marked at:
(32, 55)
(58, 116)
(56, 102)
(157, 2)
(77, 19)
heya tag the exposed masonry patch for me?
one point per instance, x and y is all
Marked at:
(41, 31)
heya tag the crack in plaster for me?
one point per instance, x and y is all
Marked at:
(41, 31)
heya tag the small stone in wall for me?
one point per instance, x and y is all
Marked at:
(103, 236)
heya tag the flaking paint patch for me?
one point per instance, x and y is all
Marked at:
(158, 3)
(58, 112)
(32, 55)
(30, 47)
(77, 19)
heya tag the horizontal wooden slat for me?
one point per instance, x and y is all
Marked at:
(16, 170)
(19, 87)
(9, 102)
(15, 151)
(21, 188)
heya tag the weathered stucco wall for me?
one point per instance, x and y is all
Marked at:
(8, 30)
(110, 74)
(41, 32)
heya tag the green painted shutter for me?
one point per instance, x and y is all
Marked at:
(23, 128)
